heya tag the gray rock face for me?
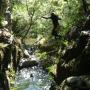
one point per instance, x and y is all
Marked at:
(76, 83)
(76, 59)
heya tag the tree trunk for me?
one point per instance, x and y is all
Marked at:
(4, 5)
(5, 13)
(85, 6)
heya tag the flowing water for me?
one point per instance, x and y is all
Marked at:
(34, 78)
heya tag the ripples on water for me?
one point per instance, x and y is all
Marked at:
(33, 79)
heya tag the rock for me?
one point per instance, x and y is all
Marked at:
(74, 51)
(18, 41)
(85, 32)
(48, 45)
(28, 64)
(6, 36)
(26, 54)
(4, 23)
(86, 25)
(76, 83)
(73, 34)
(31, 75)
(75, 59)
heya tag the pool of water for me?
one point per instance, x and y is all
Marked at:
(34, 78)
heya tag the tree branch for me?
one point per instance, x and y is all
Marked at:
(31, 19)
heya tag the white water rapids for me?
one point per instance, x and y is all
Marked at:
(34, 78)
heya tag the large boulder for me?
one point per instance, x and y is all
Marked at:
(75, 60)
(28, 64)
(76, 83)
(6, 36)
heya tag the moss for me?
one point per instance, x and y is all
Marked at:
(30, 41)
(52, 69)
(20, 86)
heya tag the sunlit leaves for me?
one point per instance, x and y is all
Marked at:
(68, 10)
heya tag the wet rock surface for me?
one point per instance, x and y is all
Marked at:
(28, 64)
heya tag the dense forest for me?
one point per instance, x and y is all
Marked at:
(44, 44)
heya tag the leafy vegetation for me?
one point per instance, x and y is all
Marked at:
(28, 16)
(32, 23)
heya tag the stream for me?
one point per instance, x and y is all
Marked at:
(34, 78)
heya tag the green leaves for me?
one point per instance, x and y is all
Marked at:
(68, 10)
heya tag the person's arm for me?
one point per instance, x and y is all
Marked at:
(46, 17)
